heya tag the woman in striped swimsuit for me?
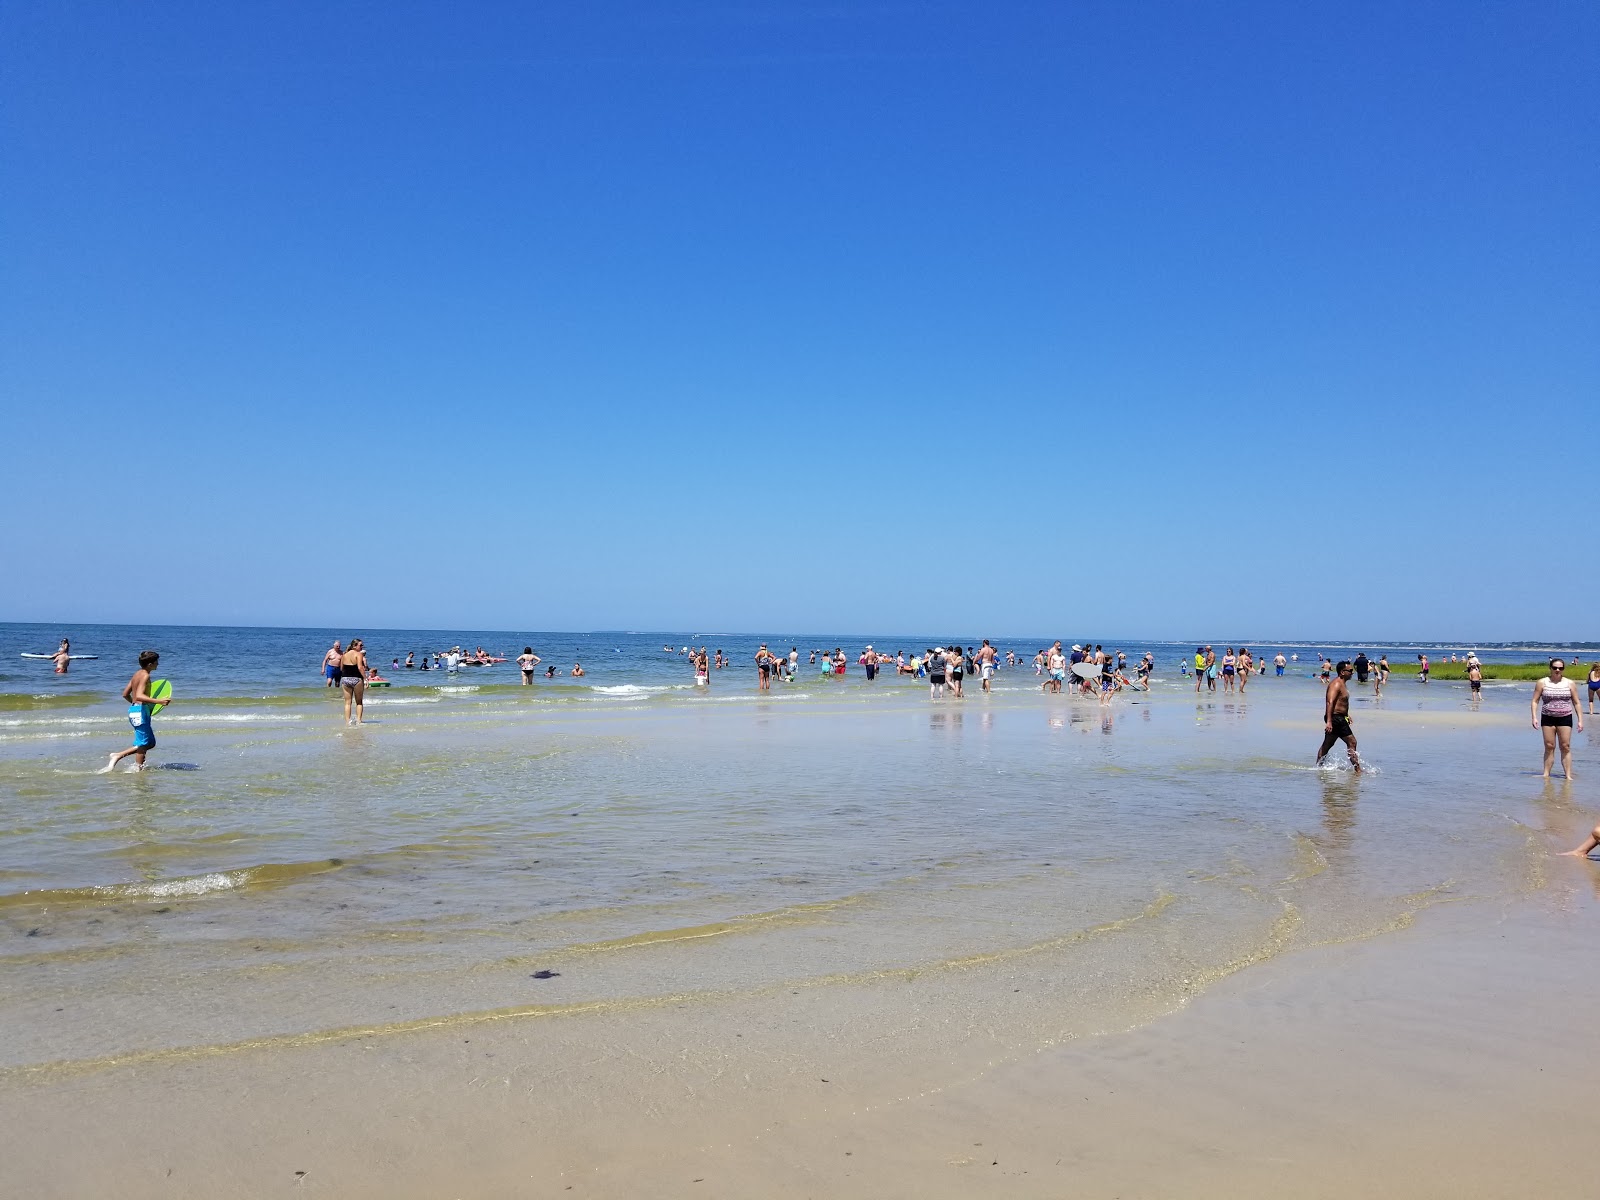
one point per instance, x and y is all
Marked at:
(1555, 710)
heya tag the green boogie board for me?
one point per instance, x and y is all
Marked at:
(162, 691)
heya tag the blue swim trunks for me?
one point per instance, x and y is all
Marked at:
(144, 735)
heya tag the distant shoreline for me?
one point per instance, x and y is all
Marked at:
(703, 634)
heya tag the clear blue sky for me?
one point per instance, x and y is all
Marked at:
(1160, 319)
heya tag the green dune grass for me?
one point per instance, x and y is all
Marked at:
(1458, 670)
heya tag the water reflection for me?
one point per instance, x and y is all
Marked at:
(1340, 790)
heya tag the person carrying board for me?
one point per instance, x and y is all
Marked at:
(143, 704)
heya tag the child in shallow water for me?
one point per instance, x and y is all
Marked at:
(141, 708)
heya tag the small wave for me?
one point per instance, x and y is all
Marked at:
(252, 717)
(760, 698)
(387, 700)
(632, 689)
(28, 701)
(24, 737)
(459, 687)
(11, 724)
(183, 886)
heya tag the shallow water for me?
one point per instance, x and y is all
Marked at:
(481, 853)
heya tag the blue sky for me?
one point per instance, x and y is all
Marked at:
(1156, 319)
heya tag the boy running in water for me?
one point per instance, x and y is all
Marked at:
(140, 706)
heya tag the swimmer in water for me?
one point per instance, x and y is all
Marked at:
(63, 657)
(577, 670)
(1336, 716)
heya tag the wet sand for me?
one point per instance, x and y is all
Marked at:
(872, 947)
(1446, 1059)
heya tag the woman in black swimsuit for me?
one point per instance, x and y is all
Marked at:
(353, 679)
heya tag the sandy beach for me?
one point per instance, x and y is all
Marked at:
(843, 942)
(1442, 1060)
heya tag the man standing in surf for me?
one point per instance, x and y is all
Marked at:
(141, 707)
(330, 665)
(1336, 715)
(986, 657)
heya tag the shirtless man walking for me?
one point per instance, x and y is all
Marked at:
(330, 664)
(1336, 715)
(1058, 669)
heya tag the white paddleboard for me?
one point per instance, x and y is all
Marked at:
(1086, 670)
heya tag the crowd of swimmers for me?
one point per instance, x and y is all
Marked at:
(1556, 707)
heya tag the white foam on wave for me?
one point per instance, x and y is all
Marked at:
(385, 700)
(28, 737)
(167, 889)
(760, 698)
(197, 885)
(465, 687)
(232, 718)
(634, 689)
(14, 722)
(164, 718)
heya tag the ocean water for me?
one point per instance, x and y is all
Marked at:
(1039, 866)
(224, 662)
